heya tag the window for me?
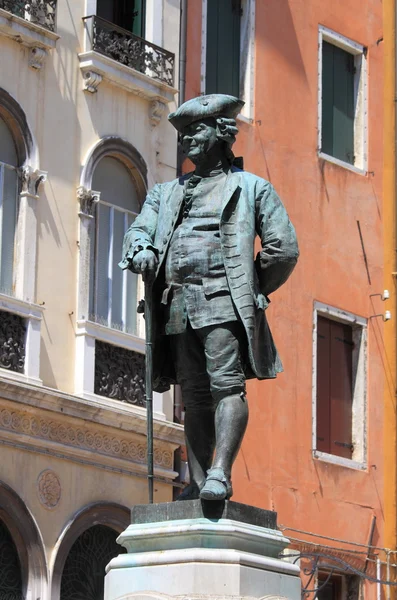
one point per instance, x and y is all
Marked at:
(128, 14)
(339, 386)
(84, 571)
(10, 567)
(113, 290)
(335, 586)
(342, 100)
(223, 47)
(8, 207)
(228, 44)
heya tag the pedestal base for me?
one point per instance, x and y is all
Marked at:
(224, 551)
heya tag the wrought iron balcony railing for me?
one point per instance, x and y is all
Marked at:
(39, 12)
(130, 50)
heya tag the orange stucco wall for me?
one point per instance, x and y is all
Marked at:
(275, 468)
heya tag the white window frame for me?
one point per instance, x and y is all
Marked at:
(140, 325)
(33, 316)
(359, 52)
(247, 47)
(359, 409)
(22, 301)
(88, 331)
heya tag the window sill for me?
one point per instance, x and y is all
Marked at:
(87, 333)
(111, 336)
(33, 315)
(25, 32)
(92, 63)
(341, 163)
(339, 460)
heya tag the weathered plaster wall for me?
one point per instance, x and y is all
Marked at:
(275, 468)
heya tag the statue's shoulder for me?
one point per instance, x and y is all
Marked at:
(251, 179)
(168, 185)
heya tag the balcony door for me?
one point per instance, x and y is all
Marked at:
(128, 14)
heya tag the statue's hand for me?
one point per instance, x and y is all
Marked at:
(145, 262)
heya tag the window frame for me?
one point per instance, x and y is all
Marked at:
(359, 407)
(359, 52)
(23, 298)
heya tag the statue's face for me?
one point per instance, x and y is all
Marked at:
(198, 139)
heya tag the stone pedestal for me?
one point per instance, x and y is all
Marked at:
(196, 549)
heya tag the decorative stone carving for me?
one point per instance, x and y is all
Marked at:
(49, 488)
(88, 200)
(12, 342)
(91, 81)
(37, 57)
(31, 180)
(156, 111)
(56, 430)
(119, 373)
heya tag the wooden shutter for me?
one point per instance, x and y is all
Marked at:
(334, 387)
(341, 397)
(338, 103)
(223, 47)
(323, 385)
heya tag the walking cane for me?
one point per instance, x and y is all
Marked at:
(149, 383)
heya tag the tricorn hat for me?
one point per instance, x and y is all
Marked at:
(203, 107)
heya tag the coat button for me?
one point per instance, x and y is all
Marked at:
(165, 240)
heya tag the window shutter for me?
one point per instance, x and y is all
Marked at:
(341, 389)
(223, 47)
(337, 137)
(139, 17)
(8, 210)
(323, 385)
(117, 277)
(343, 115)
(102, 262)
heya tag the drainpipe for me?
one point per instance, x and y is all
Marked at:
(390, 268)
(182, 72)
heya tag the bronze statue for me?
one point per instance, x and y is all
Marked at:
(195, 240)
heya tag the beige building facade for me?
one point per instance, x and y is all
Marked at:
(85, 87)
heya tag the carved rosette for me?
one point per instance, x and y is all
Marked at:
(88, 200)
(12, 342)
(31, 180)
(49, 488)
(119, 374)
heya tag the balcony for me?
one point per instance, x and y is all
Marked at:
(116, 54)
(39, 12)
(32, 24)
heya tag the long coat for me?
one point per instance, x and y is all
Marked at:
(250, 207)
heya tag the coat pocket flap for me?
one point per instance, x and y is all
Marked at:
(215, 285)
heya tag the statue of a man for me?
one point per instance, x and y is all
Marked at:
(195, 240)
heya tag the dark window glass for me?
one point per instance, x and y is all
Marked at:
(223, 47)
(334, 387)
(338, 103)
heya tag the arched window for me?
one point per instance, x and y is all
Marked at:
(112, 289)
(11, 585)
(83, 575)
(8, 206)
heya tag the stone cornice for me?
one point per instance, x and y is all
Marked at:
(125, 419)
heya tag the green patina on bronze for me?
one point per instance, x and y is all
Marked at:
(194, 241)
